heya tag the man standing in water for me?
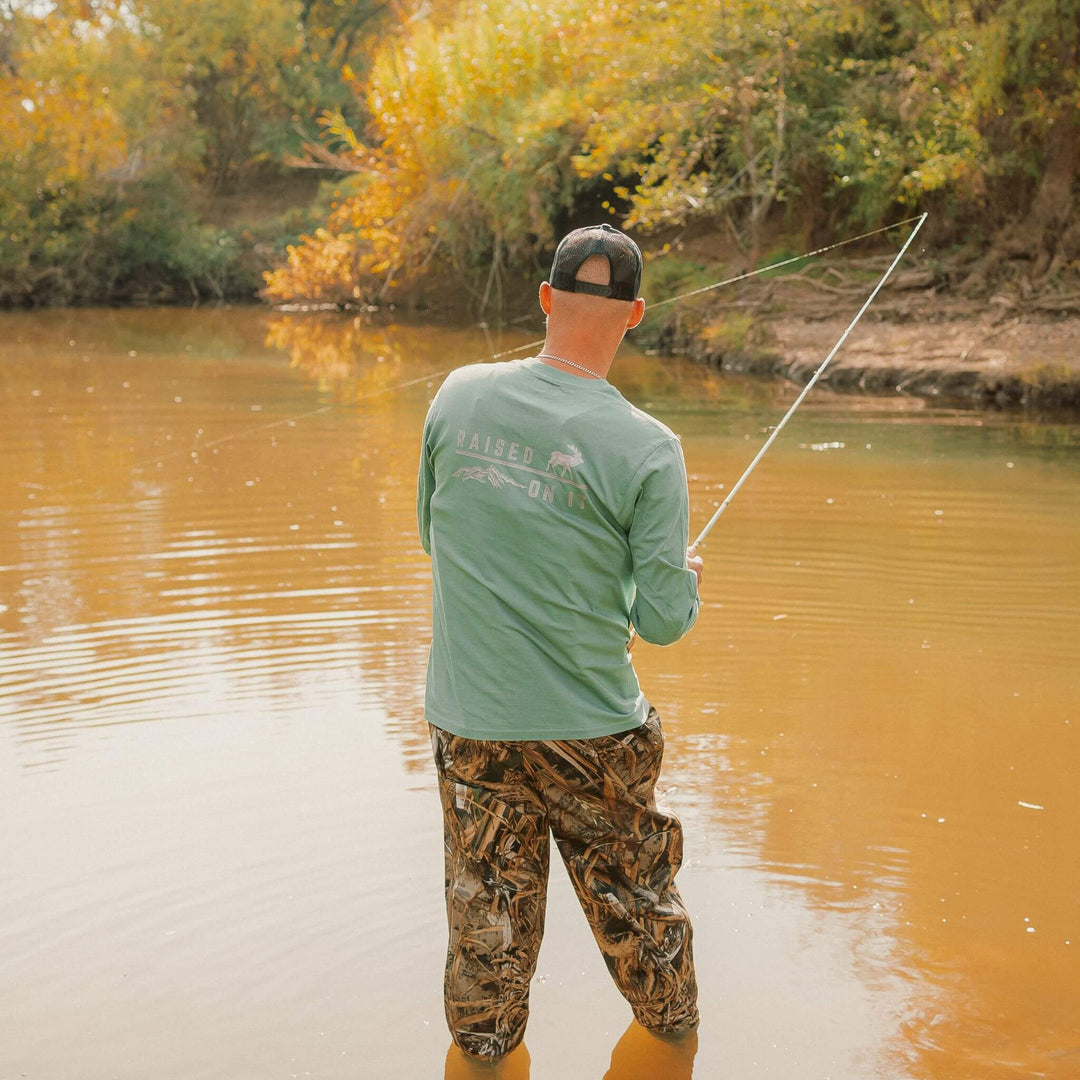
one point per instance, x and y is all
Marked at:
(555, 514)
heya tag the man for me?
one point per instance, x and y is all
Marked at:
(555, 514)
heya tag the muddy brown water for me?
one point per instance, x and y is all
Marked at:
(219, 835)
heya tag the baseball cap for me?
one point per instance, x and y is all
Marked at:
(622, 254)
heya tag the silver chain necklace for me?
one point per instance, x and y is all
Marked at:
(570, 363)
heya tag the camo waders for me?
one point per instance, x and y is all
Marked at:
(596, 797)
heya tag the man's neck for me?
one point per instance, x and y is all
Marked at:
(573, 356)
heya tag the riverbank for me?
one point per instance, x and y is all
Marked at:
(919, 338)
(1022, 363)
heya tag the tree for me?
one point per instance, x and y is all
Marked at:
(119, 115)
(1027, 92)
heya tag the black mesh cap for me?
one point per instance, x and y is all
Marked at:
(622, 254)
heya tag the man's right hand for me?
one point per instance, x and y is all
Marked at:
(695, 562)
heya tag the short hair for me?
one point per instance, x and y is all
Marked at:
(595, 269)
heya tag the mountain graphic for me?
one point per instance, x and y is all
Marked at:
(490, 475)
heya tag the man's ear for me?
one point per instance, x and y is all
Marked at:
(545, 297)
(637, 312)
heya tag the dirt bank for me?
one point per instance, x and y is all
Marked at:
(989, 356)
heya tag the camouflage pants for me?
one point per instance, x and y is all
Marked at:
(500, 799)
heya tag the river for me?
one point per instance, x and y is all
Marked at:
(220, 841)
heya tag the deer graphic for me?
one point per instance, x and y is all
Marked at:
(564, 462)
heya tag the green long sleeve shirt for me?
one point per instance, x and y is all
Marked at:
(555, 513)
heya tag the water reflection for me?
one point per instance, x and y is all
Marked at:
(641, 1055)
(515, 1066)
(871, 729)
(638, 1055)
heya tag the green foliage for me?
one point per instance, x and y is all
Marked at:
(92, 245)
(119, 118)
(726, 334)
(781, 255)
(669, 276)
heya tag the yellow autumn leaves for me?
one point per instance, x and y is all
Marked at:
(496, 126)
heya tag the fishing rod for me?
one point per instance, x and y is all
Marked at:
(808, 387)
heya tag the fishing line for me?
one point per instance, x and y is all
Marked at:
(788, 262)
(429, 376)
(540, 341)
(287, 421)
